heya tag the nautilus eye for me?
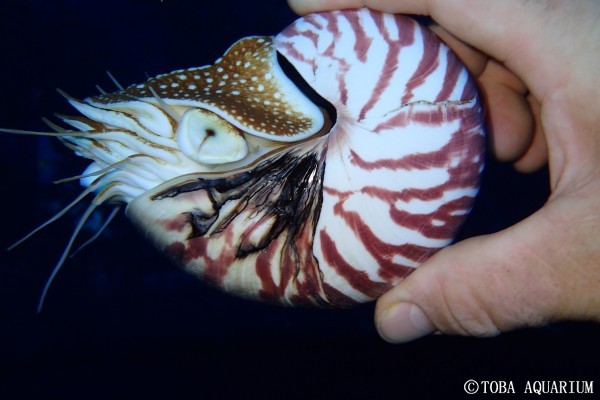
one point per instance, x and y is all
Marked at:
(325, 196)
(209, 139)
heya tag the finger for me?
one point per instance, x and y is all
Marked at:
(508, 106)
(473, 59)
(536, 155)
(462, 290)
(496, 28)
(303, 7)
(513, 114)
(510, 120)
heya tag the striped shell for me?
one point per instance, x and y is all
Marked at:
(237, 175)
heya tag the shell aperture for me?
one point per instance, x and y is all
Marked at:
(235, 174)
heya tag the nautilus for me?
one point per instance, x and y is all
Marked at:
(316, 167)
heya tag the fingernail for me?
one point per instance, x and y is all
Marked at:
(404, 322)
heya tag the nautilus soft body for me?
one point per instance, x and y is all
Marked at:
(236, 174)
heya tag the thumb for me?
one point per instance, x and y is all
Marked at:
(478, 287)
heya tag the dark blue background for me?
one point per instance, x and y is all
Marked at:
(120, 319)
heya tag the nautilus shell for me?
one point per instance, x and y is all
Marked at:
(327, 192)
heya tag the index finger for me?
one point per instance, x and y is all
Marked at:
(496, 28)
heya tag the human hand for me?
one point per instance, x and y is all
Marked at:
(537, 66)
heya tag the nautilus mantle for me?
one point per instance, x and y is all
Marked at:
(239, 175)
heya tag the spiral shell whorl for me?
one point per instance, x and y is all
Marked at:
(404, 157)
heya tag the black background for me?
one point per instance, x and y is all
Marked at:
(120, 320)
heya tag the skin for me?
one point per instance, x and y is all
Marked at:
(537, 65)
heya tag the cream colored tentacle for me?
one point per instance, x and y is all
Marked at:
(55, 217)
(66, 251)
(109, 219)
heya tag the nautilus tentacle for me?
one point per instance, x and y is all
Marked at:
(237, 175)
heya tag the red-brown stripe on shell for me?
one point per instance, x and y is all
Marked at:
(235, 174)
